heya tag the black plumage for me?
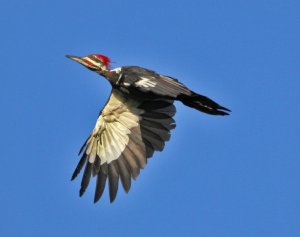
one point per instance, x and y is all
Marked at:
(136, 121)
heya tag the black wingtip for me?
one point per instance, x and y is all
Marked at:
(81, 192)
(112, 199)
(75, 174)
(217, 110)
(100, 186)
(126, 187)
(73, 177)
(84, 145)
(224, 108)
(204, 104)
(222, 113)
(79, 166)
(96, 200)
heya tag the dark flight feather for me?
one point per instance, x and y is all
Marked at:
(86, 177)
(100, 185)
(79, 166)
(124, 173)
(113, 181)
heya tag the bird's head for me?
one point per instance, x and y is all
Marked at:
(94, 62)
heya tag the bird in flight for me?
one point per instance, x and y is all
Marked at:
(135, 122)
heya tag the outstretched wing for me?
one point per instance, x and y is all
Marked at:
(142, 82)
(145, 80)
(127, 132)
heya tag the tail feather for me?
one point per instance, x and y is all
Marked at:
(203, 104)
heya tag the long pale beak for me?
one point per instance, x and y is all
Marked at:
(75, 58)
(82, 62)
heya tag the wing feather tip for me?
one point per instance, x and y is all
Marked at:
(126, 189)
(96, 199)
(112, 199)
(73, 177)
(81, 192)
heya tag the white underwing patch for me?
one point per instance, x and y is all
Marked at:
(113, 127)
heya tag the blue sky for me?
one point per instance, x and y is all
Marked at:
(218, 176)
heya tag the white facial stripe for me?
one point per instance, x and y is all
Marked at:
(145, 82)
(98, 64)
(117, 70)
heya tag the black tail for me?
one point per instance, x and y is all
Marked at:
(202, 103)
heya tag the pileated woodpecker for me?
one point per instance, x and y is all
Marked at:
(135, 122)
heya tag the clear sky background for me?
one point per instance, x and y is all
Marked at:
(218, 176)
